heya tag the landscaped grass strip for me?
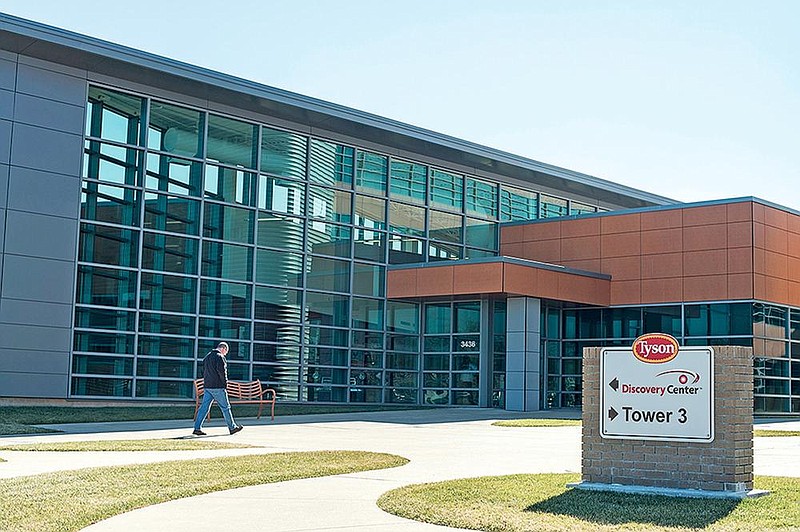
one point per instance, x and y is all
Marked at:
(523, 503)
(538, 423)
(162, 444)
(71, 500)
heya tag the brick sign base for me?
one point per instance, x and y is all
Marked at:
(723, 465)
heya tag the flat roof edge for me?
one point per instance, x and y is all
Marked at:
(502, 259)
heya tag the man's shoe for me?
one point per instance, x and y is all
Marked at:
(236, 429)
(199, 432)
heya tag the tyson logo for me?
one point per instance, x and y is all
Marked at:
(655, 348)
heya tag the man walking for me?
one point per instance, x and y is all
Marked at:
(215, 381)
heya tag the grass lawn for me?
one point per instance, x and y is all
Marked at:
(773, 433)
(23, 419)
(67, 501)
(163, 444)
(519, 503)
(538, 423)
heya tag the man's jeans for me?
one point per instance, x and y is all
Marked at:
(220, 395)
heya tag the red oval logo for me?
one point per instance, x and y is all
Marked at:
(655, 348)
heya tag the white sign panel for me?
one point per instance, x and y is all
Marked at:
(657, 396)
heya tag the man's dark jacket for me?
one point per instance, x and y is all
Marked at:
(215, 370)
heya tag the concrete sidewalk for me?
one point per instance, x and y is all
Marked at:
(441, 444)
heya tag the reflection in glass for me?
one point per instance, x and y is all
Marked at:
(481, 233)
(408, 181)
(223, 328)
(371, 170)
(169, 253)
(331, 164)
(104, 342)
(171, 174)
(328, 274)
(437, 318)
(447, 190)
(275, 353)
(232, 141)
(281, 195)
(368, 279)
(115, 116)
(219, 298)
(148, 367)
(175, 130)
(102, 365)
(278, 231)
(166, 324)
(518, 204)
(329, 239)
(165, 346)
(278, 304)
(111, 164)
(106, 287)
(481, 198)
(404, 250)
(170, 213)
(367, 313)
(168, 293)
(106, 203)
(553, 207)
(96, 318)
(406, 219)
(227, 261)
(283, 153)
(108, 245)
(369, 245)
(282, 269)
(327, 309)
(437, 251)
(330, 204)
(231, 185)
(283, 333)
(96, 387)
(224, 222)
(445, 227)
(370, 212)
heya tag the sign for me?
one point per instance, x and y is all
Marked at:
(657, 390)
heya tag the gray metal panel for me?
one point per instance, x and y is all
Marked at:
(34, 385)
(45, 149)
(30, 338)
(38, 279)
(8, 74)
(5, 141)
(15, 311)
(3, 186)
(6, 105)
(50, 84)
(44, 192)
(34, 362)
(39, 235)
(47, 113)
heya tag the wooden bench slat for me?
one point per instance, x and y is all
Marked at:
(241, 392)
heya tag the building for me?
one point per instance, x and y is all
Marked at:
(149, 208)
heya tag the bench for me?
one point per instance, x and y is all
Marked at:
(240, 393)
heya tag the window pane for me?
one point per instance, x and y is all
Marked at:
(106, 287)
(94, 318)
(170, 174)
(326, 336)
(437, 318)
(282, 232)
(166, 324)
(406, 219)
(330, 204)
(580, 208)
(105, 203)
(481, 233)
(516, 204)
(662, 319)
(404, 250)
(227, 261)
(168, 293)
(112, 164)
(104, 342)
(175, 130)
(100, 365)
(370, 212)
(329, 239)
(278, 332)
(367, 339)
(328, 275)
(276, 353)
(283, 153)
(367, 313)
(403, 317)
(169, 253)
(278, 304)
(331, 164)
(112, 115)
(102, 387)
(553, 207)
(467, 317)
(228, 223)
(219, 298)
(230, 185)
(327, 309)
(369, 245)
(371, 170)
(165, 346)
(148, 367)
(438, 251)
(408, 181)
(282, 269)
(231, 141)
(445, 227)
(109, 245)
(482, 198)
(281, 195)
(369, 280)
(447, 189)
(170, 213)
(223, 328)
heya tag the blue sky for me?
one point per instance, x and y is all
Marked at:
(691, 100)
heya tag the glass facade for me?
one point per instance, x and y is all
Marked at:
(772, 331)
(197, 227)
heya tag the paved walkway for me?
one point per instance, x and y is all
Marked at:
(441, 444)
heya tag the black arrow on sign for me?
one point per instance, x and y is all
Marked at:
(614, 384)
(612, 413)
